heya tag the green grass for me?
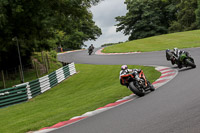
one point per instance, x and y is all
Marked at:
(53, 62)
(94, 86)
(157, 43)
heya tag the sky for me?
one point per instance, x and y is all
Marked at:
(104, 16)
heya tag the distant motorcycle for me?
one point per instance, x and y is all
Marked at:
(185, 59)
(137, 86)
(90, 51)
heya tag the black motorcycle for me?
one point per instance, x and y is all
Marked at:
(90, 51)
(139, 86)
(185, 59)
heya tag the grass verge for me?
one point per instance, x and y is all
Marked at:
(181, 40)
(94, 86)
(30, 72)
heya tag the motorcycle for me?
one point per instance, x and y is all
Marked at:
(139, 86)
(90, 51)
(185, 59)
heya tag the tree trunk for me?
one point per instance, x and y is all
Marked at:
(4, 83)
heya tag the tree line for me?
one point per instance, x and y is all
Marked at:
(146, 18)
(38, 25)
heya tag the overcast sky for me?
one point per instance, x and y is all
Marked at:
(104, 16)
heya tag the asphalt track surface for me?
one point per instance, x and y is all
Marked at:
(173, 108)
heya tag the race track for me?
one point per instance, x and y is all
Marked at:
(173, 108)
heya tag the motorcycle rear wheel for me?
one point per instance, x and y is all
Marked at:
(135, 90)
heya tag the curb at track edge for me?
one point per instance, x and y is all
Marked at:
(167, 74)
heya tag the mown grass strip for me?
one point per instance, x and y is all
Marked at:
(92, 87)
(181, 40)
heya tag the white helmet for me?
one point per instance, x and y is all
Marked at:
(175, 50)
(124, 67)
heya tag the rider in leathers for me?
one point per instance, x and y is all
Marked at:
(125, 70)
(91, 48)
(177, 53)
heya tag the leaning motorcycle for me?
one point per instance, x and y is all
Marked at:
(138, 86)
(185, 59)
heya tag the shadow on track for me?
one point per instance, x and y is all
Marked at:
(185, 69)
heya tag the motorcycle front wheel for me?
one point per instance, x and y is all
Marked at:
(190, 63)
(152, 88)
(135, 90)
(90, 52)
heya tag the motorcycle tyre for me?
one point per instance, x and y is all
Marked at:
(173, 62)
(135, 90)
(168, 54)
(190, 63)
(151, 87)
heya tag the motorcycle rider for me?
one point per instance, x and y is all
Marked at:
(91, 48)
(125, 70)
(177, 54)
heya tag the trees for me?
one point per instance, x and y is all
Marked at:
(198, 14)
(36, 24)
(84, 30)
(147, 18)
(144, 18)
(186, 17)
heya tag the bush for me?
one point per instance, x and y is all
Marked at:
(53, 54)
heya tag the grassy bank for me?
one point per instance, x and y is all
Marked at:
(181, 40)
(28, 70)
(94, 86)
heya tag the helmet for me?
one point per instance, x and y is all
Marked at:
(124, 67)
(175, 50)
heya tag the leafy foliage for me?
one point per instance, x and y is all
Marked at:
(198, 14)
(144, 19)
(43, 25)
(186, 17)
(147, 18)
